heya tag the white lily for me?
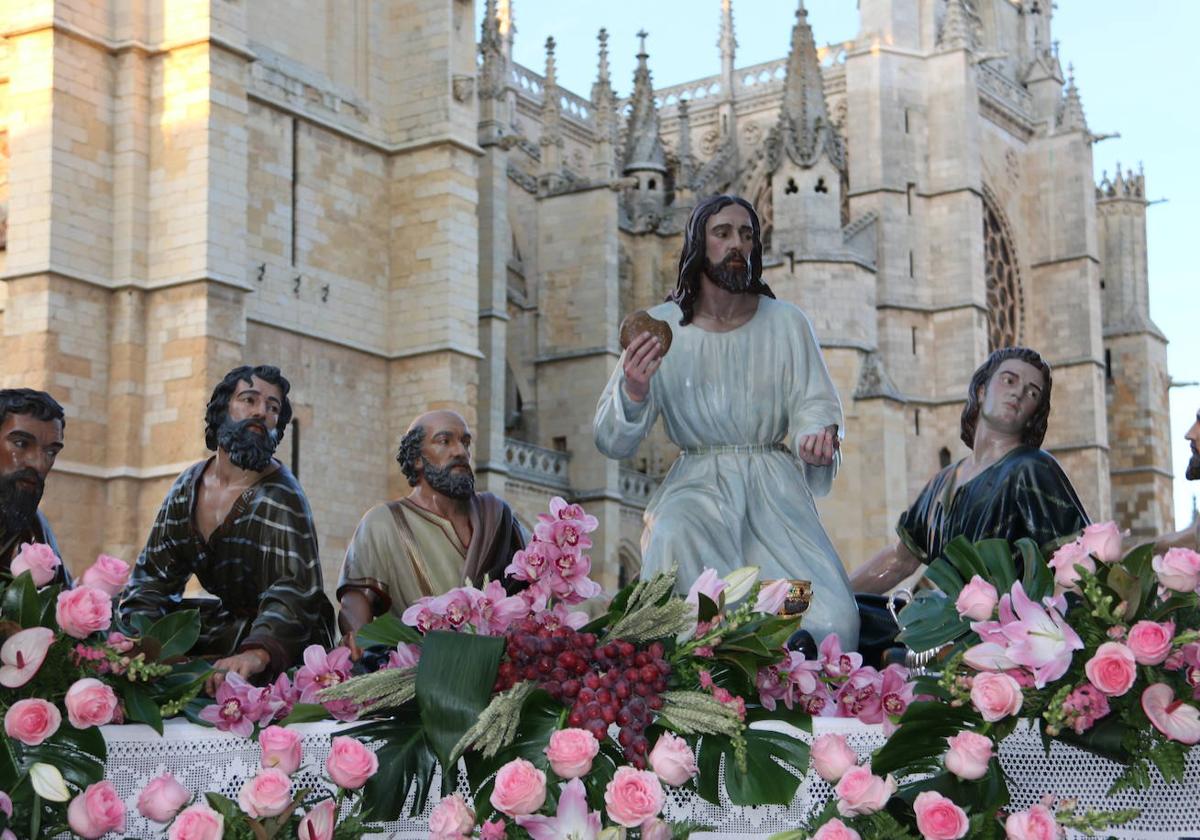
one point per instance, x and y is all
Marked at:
(739, 582)
(48, 783)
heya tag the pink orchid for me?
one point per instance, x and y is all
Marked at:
(421, 615)
(404, 656)
(570, 582)
(567, 534)
(23, 654)
(281, 697)
(560, 510)
(1177, 719)
(237, 707)
(837, 663)
(493, 610)
(321, 670)
(861, 696)
(895, 690)
(534, 561)
(560, 616)
(573, 821)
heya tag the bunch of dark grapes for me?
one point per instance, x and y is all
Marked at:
(603, 684)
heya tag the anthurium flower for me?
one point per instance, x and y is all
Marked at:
(1177, 719)
(48, 783)
(23, 654)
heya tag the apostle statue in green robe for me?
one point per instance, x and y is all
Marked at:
(1007, 488)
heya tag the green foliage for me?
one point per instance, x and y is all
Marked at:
(775, 764)
(386, 630)
(454, 685)
(305, 713)
(21, 602)
(176, 632)
(405, 760)
(917, 746)
(77, 753)
(139, 707)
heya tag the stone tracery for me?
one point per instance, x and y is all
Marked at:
(1005, 299)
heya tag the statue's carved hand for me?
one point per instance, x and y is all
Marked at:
(818, 448)
(642, 358)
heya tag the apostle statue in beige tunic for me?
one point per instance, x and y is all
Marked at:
(438, 537)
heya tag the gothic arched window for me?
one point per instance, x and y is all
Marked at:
(1005, 302)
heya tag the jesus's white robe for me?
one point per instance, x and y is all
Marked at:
(760, 385)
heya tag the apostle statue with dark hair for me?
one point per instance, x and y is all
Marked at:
(1188, 536)
(31, 436)
(240, 523)
(744, 393)
(441, 535)
(1007, 488)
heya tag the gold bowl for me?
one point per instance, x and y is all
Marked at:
(798, 598)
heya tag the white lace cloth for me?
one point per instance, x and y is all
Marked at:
(204, 759)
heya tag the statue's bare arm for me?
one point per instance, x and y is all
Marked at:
(885, 570)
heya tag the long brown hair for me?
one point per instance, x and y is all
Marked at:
(691, 257)
(1035, 430)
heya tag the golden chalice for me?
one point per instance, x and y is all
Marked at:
(798, 598)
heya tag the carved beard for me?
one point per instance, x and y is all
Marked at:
(1193, 467)
(449, 483)
(248, 450)
(733, 280)
(18, 506)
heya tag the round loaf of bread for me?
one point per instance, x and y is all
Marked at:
(636, 323)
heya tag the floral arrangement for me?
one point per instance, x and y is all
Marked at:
(578, 727)
(64, 672)
(1098, 648)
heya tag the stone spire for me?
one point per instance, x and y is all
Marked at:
(552, 139)
(493, 78)
(687, 163)
(643, 146)
(1070, 114)
(504, 22)
(604, 106)
(803, 116)
(728, 46)
(957, 33)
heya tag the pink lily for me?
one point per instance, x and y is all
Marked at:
(772, 596)
(572, 822)
(23, 654)
(1178, 720)
(1037, 638)
(710, 585)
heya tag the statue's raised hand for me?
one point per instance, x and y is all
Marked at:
(642, 358)
(818, 448)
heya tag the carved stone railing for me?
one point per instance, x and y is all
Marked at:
(637, 487)
(537, 464)
(532, 86)
(1005, 94)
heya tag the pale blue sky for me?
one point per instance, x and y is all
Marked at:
(1136, 67)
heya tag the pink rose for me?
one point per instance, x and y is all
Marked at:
(1037, 823)
(633, 797)
(280, 748)
(835, 829)
(96, 811)
(969, 755)
(938, 818)
(1103, 541)
(350, 764)
(90, 702)
(571, 752)
(672, 759)
(831, 757)
(83, 611)
(1178, 569)
(161, 798)
(108, 574)
(520, 788)
(1064, 562)
(319, 822)
(266, 795)
(996, 696)
(31, 721)
(452, 819)
(39, 560)
(6, 804)
(1112, 669)
(198, 822)
(1150, 641)
(860, 792)
(492, 830)
(977, 600)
